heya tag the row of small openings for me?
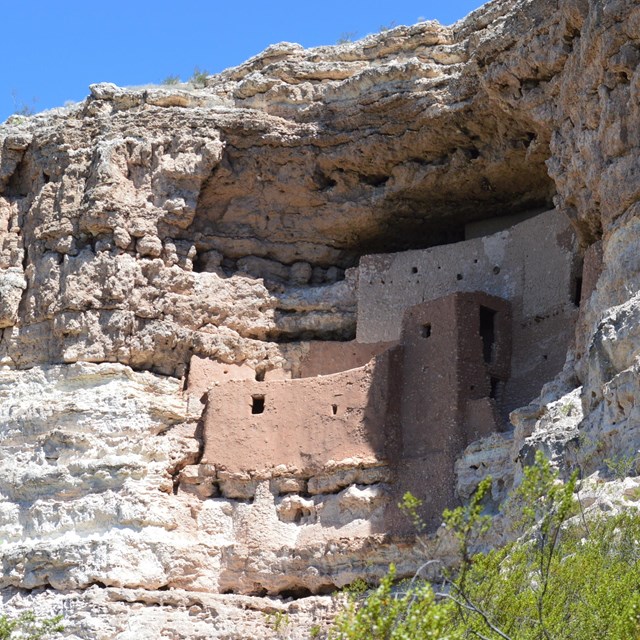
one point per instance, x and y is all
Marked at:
(459, 276)
(257, 405)
(496, 271)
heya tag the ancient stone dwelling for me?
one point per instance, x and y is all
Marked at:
(449, 340)
(238, 321)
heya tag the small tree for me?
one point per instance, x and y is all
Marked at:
(389, 614)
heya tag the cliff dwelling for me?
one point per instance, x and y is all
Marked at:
(449, 340)
(238, 321)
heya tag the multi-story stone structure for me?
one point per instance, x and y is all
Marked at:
(449, 340)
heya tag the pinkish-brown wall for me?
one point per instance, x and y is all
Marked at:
(324, 358)
(446, 376)
(204, 372)
(298, 427)
(416, 405)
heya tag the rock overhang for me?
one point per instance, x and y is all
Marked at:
(517, 89)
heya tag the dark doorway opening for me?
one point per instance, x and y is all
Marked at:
(576, 294)
(495, 388)
(488, 332)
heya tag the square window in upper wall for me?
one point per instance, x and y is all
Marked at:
(425, 330)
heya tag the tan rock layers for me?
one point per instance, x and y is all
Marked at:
(162, 249)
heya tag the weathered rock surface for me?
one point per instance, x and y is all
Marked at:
(98, 490)
(131, 614)
(142, 227)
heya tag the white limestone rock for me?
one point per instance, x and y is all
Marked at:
(12, 285)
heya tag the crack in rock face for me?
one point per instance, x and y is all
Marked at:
(273, 237)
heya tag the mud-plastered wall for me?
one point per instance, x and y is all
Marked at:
(302, 424)
(534, 265)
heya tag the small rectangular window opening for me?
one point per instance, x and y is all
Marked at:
(426, 330)
(495, 388)
(334, 409)
(257, 404)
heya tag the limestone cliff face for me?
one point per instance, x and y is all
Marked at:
(143, 227)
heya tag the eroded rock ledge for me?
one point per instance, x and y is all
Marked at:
(144, 228)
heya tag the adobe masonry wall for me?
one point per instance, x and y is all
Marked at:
(456, 354)
(534, 265)
(415, 406)
(204, 373)
(301, 423)
(462, 354)
(323, 357)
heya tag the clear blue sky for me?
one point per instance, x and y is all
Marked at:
(53, 49)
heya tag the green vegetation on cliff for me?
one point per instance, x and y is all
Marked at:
(567, 576)
(29, 627)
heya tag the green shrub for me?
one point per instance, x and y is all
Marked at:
(619, 467)
(171, 80)
(565, 578)
(28, 627)
(199, 77)
(278, 621)
(395, 615)
(16, 120)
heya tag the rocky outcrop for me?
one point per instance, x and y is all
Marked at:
(143, 227)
